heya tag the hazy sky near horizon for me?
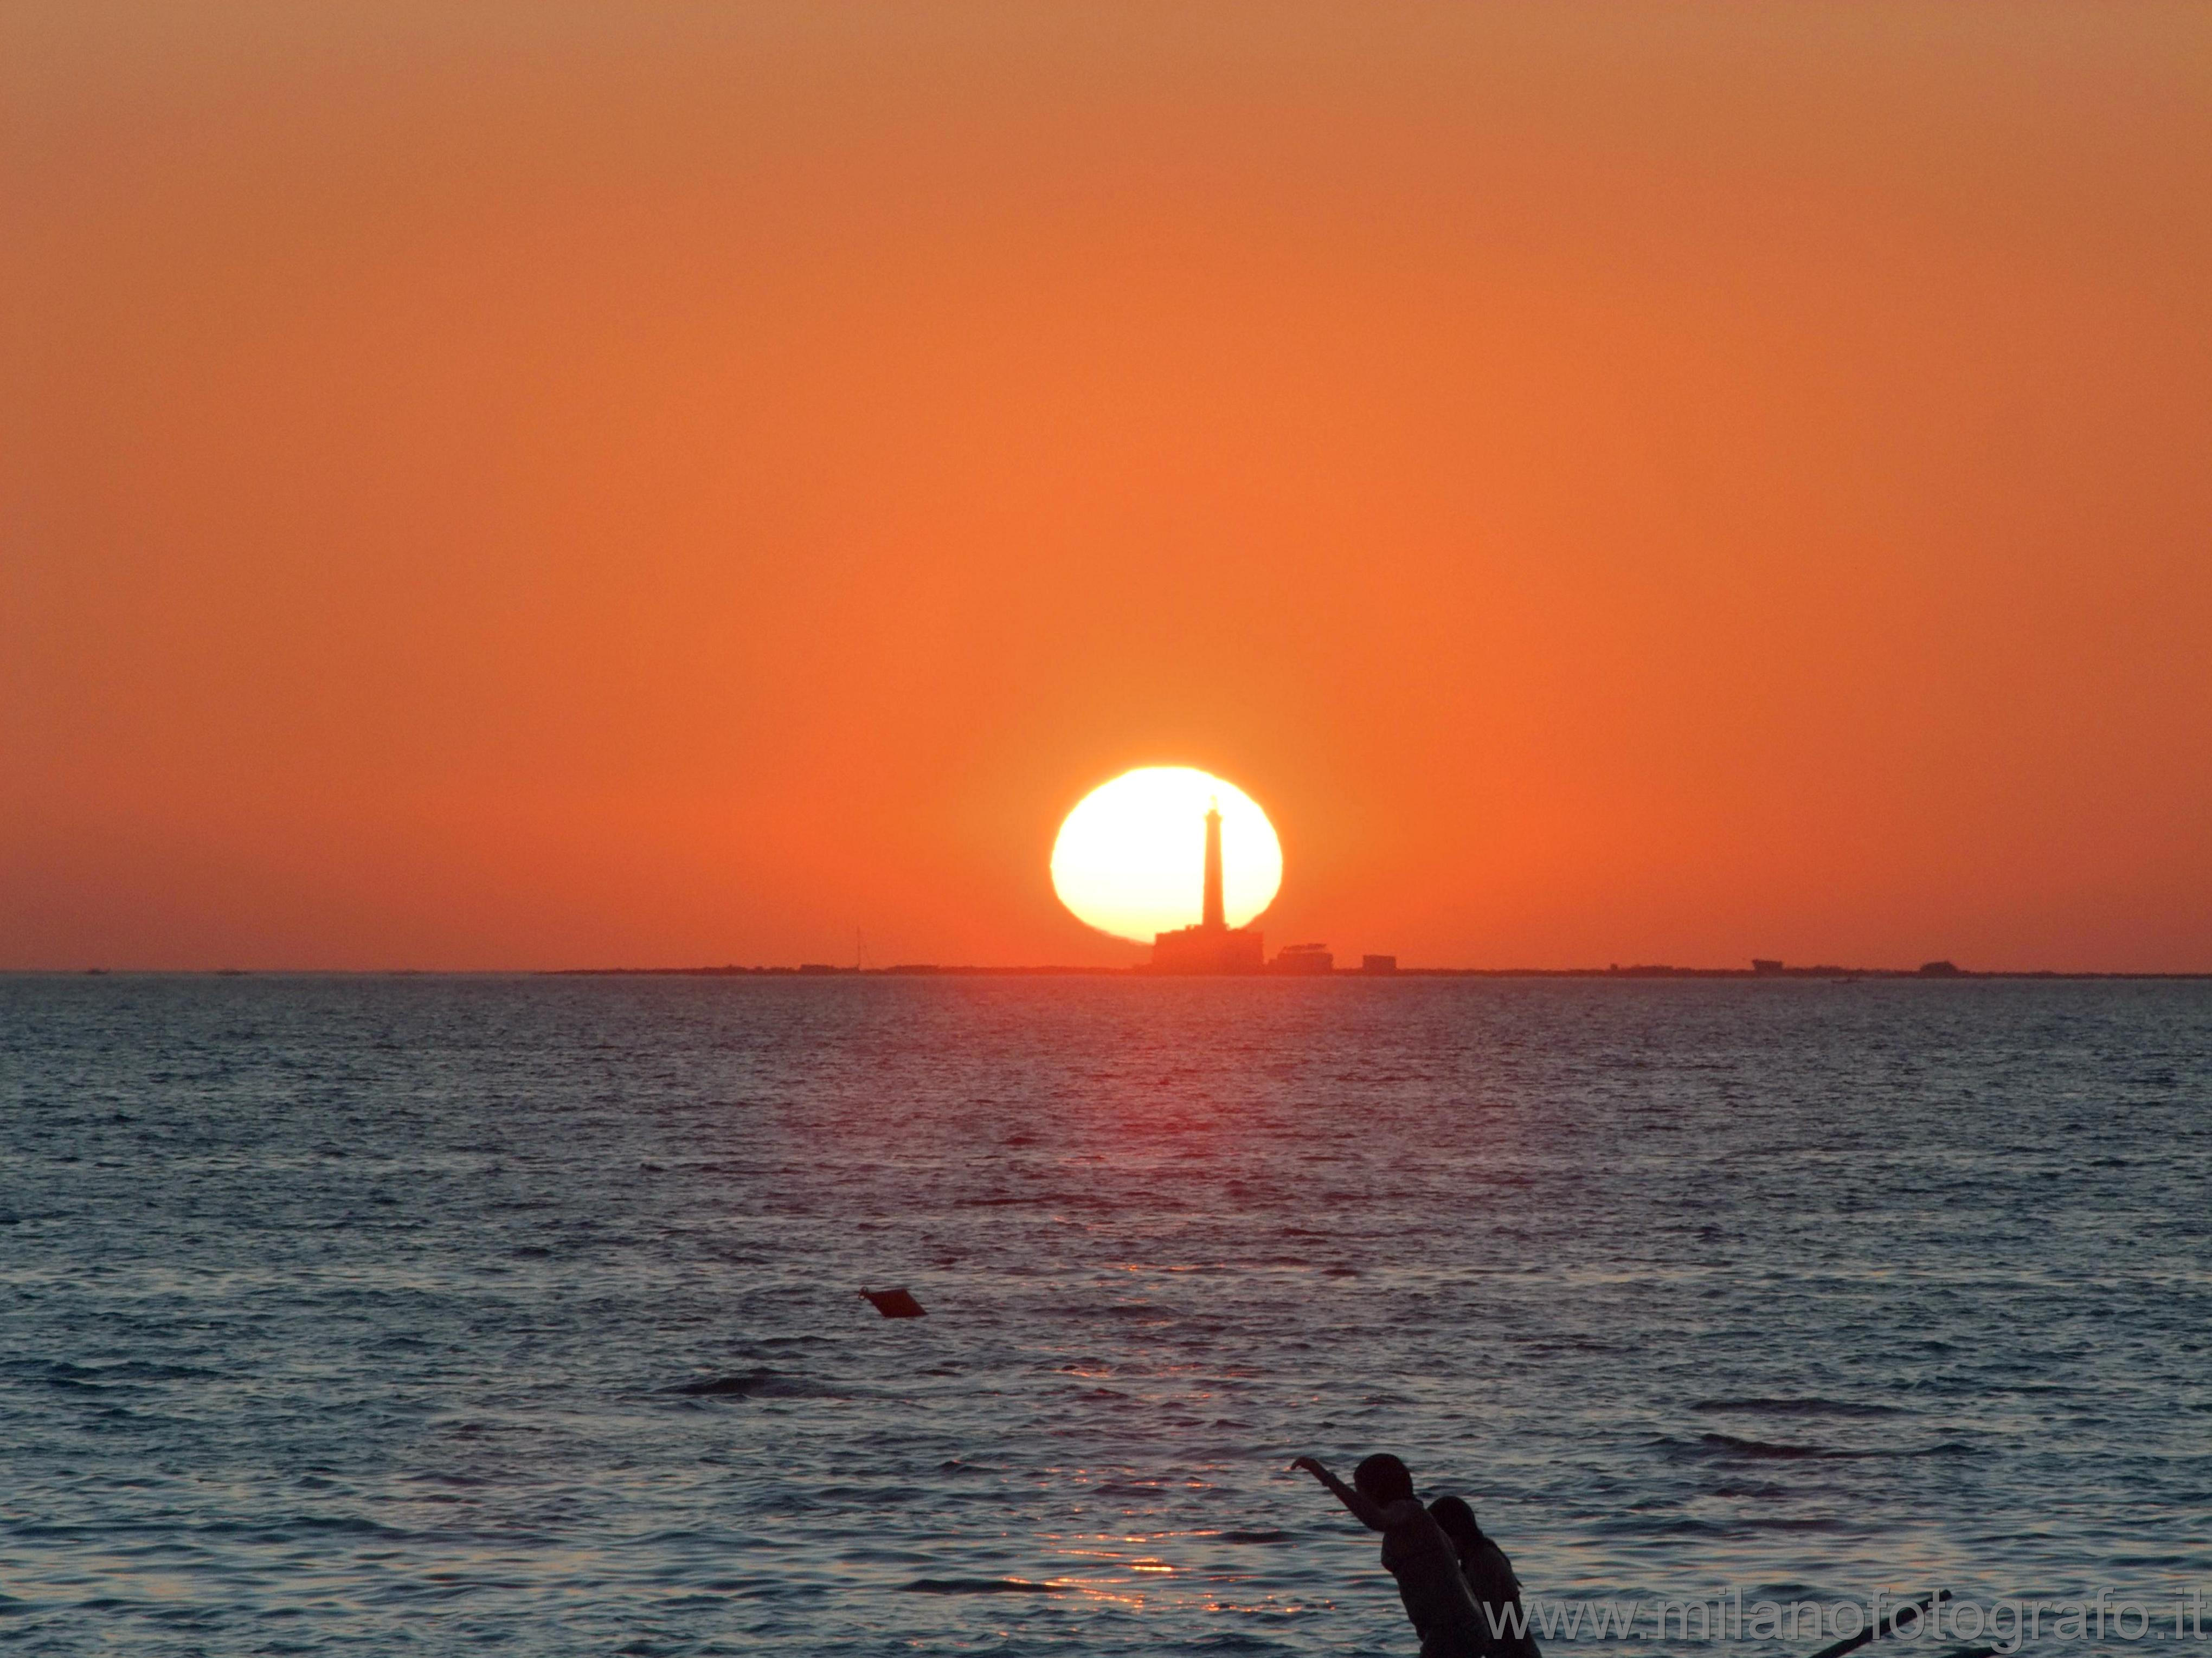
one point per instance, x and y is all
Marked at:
(536, 484)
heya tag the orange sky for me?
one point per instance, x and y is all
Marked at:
(536, 484)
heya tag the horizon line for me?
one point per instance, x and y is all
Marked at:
(1933, 972)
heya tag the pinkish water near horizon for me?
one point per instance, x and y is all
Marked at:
(349, 1313)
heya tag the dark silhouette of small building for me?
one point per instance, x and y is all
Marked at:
(1378, 963)
(1212, 946)
(1303, 958)
(1760, 964)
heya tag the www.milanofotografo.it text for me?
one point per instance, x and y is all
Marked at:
(2006, 1624)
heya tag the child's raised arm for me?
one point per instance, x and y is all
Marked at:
(1361, 1511)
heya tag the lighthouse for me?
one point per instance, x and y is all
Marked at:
(1211, 918)
(1212, 946)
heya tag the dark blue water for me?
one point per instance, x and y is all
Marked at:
(344, 1314)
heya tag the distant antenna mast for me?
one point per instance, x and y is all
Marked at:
(861, 962)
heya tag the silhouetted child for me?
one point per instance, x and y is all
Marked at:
(1490, 1580)
(1415, 1551)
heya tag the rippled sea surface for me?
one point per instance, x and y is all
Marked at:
(352, 1314)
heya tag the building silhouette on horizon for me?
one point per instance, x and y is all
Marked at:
(1212, 945)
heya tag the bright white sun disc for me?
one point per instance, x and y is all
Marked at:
(1131, 858)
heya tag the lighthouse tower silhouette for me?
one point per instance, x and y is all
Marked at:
(1212, 946)
(1212, 917)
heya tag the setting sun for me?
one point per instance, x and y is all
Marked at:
(1130, 857)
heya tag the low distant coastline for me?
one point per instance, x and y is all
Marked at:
(1932, 973)
(1937, 971)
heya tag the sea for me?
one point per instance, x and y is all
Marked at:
(524, 1315)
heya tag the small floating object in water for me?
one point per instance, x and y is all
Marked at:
(895, 1304)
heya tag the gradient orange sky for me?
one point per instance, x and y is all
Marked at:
(538, 485)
